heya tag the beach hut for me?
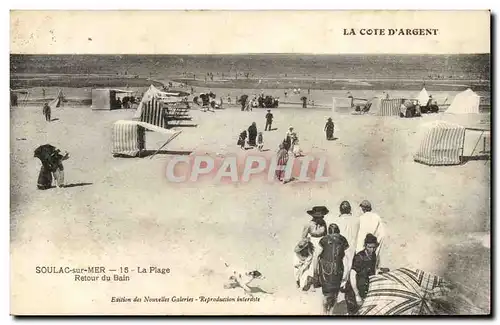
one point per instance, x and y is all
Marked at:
(465, 102)
(129, 137)
(384, 107)
(106, 99)
(441, 143)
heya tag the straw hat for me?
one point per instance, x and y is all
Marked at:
(318, 211)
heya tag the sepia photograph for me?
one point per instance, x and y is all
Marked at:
(255, 163)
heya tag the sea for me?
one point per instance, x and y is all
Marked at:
(415, 67)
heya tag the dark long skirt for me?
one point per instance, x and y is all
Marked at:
(329, 133)
(44, 179)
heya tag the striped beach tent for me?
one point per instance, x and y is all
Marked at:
(390, 107)
(153, 112)
(385, 107)
(441, 143)
(129, 137)
(152, 107)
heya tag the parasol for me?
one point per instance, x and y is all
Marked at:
(408, 291)
(44, 152)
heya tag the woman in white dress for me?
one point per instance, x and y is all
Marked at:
(314, 231)
(302, 264)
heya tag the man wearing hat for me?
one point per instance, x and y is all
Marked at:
(370, 223)
(363, 266)
(269, 120)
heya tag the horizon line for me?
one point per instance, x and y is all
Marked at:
(256, 53)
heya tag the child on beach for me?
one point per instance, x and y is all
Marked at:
(260, 141)
(242, 138)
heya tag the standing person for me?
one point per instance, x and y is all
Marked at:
(58, 158)
(282, 160)
(349, 228)
(288, 138)
(314, 231)
(252, 134)
(331, 266)
(242, 138)
(260, 141)
(304, 101)
(302, 264)
(329, 128)
(363, 266)
(370, 223)
(46, 112)
(295, 147)
(269, 120)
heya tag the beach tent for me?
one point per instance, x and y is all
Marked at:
(129, 137)
(104, 99)
(56, 102)
(151, 109)
(423, 97)
(464, 103)
(441, 143)
(385, 107)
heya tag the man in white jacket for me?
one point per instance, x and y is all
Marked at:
(370, 223)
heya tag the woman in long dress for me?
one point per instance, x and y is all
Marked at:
(282, 160)
(314, 231)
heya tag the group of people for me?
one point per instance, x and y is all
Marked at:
(52, 166)
(288, 147)
(340, 256)
(255, 138)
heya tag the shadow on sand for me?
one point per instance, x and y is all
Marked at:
(147, 153)
(77, 185)
(258, 290)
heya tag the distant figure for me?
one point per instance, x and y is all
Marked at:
(269, 120)
(286, 94)
(282, 159)
(304, 101)
(329, 128)
(242, 138)
(252, 134)
(46, 112)
(260, 141)
(287, 142)
(13, 99)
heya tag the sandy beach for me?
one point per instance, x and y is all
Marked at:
(124, 212)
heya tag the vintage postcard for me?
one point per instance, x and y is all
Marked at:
(250, 162)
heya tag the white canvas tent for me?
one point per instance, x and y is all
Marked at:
(466, 102)
(423, 97)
